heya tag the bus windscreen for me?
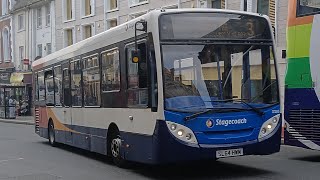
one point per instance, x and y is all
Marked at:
(308, 7)
(213, 26)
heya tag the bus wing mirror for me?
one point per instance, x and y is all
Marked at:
(135, 55)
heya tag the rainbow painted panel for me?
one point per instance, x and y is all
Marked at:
(298, 49)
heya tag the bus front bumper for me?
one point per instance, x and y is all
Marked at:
(167, 149)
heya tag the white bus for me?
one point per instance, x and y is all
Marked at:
(168, 86)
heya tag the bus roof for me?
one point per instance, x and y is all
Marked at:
(116, 34)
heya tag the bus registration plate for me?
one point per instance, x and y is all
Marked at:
(229, 153)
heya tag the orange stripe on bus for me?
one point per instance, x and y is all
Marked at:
(57, 124)
(293, 20)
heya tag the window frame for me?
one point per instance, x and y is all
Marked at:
(65, 11)
(298, 14)
(39, 17)
(105, 51)
(137, 4)
(21, 25)
(134, 15)
(108, 22)
(38, 50)
(65, 31)
(6, 44)
(48, 14)
(83, 8)
(4, 7)
(107, 6)
(83, 30)
(47, 49)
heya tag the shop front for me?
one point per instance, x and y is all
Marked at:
(16, 96)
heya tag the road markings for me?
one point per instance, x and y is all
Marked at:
(7, 160)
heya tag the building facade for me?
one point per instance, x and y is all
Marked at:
(77, 20)
(6, 45)
(34, 31)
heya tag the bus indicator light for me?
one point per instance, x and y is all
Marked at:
(188, 136)
(173, 127)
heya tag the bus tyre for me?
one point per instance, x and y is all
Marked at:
(115, 147)
(51, 134)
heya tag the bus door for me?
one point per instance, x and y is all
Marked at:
(67, 102)
(141, 99)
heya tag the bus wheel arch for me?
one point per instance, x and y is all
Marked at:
(51, 133)
(114, 145)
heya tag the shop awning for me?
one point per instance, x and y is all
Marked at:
(17, 79)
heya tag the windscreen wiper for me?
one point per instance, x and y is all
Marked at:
(258, 111)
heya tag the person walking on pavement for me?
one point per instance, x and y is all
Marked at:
(12, 107)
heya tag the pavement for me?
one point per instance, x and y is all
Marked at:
(26, 156)
(27, 120)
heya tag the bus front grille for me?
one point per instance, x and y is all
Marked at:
(37, 120)
(304, 124)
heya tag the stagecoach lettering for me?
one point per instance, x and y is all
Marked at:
(220, 122)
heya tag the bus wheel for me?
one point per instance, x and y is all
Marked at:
(115, 147)
(51, 134)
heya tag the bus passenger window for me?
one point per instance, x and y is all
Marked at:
(76, 92)
(49, 87)
(42, 89)
(111, 70)
(91, 81)
(137, 78)
(58, 86)
(66, 87)
(36, 92)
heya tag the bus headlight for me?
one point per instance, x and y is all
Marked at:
(182, 132)
(269, 126)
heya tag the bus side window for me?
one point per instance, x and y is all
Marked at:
(49, 87)
(91, 81)
(66, 87)
(58, 86)
(137, 78)
(36, 88)
(76, 90)
(41, 85)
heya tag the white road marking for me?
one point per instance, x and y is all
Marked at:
(7, 160)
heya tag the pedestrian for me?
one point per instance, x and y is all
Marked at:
(12, 107)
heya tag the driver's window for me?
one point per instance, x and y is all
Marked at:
(137, 77)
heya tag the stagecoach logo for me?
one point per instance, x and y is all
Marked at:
(220, 122)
